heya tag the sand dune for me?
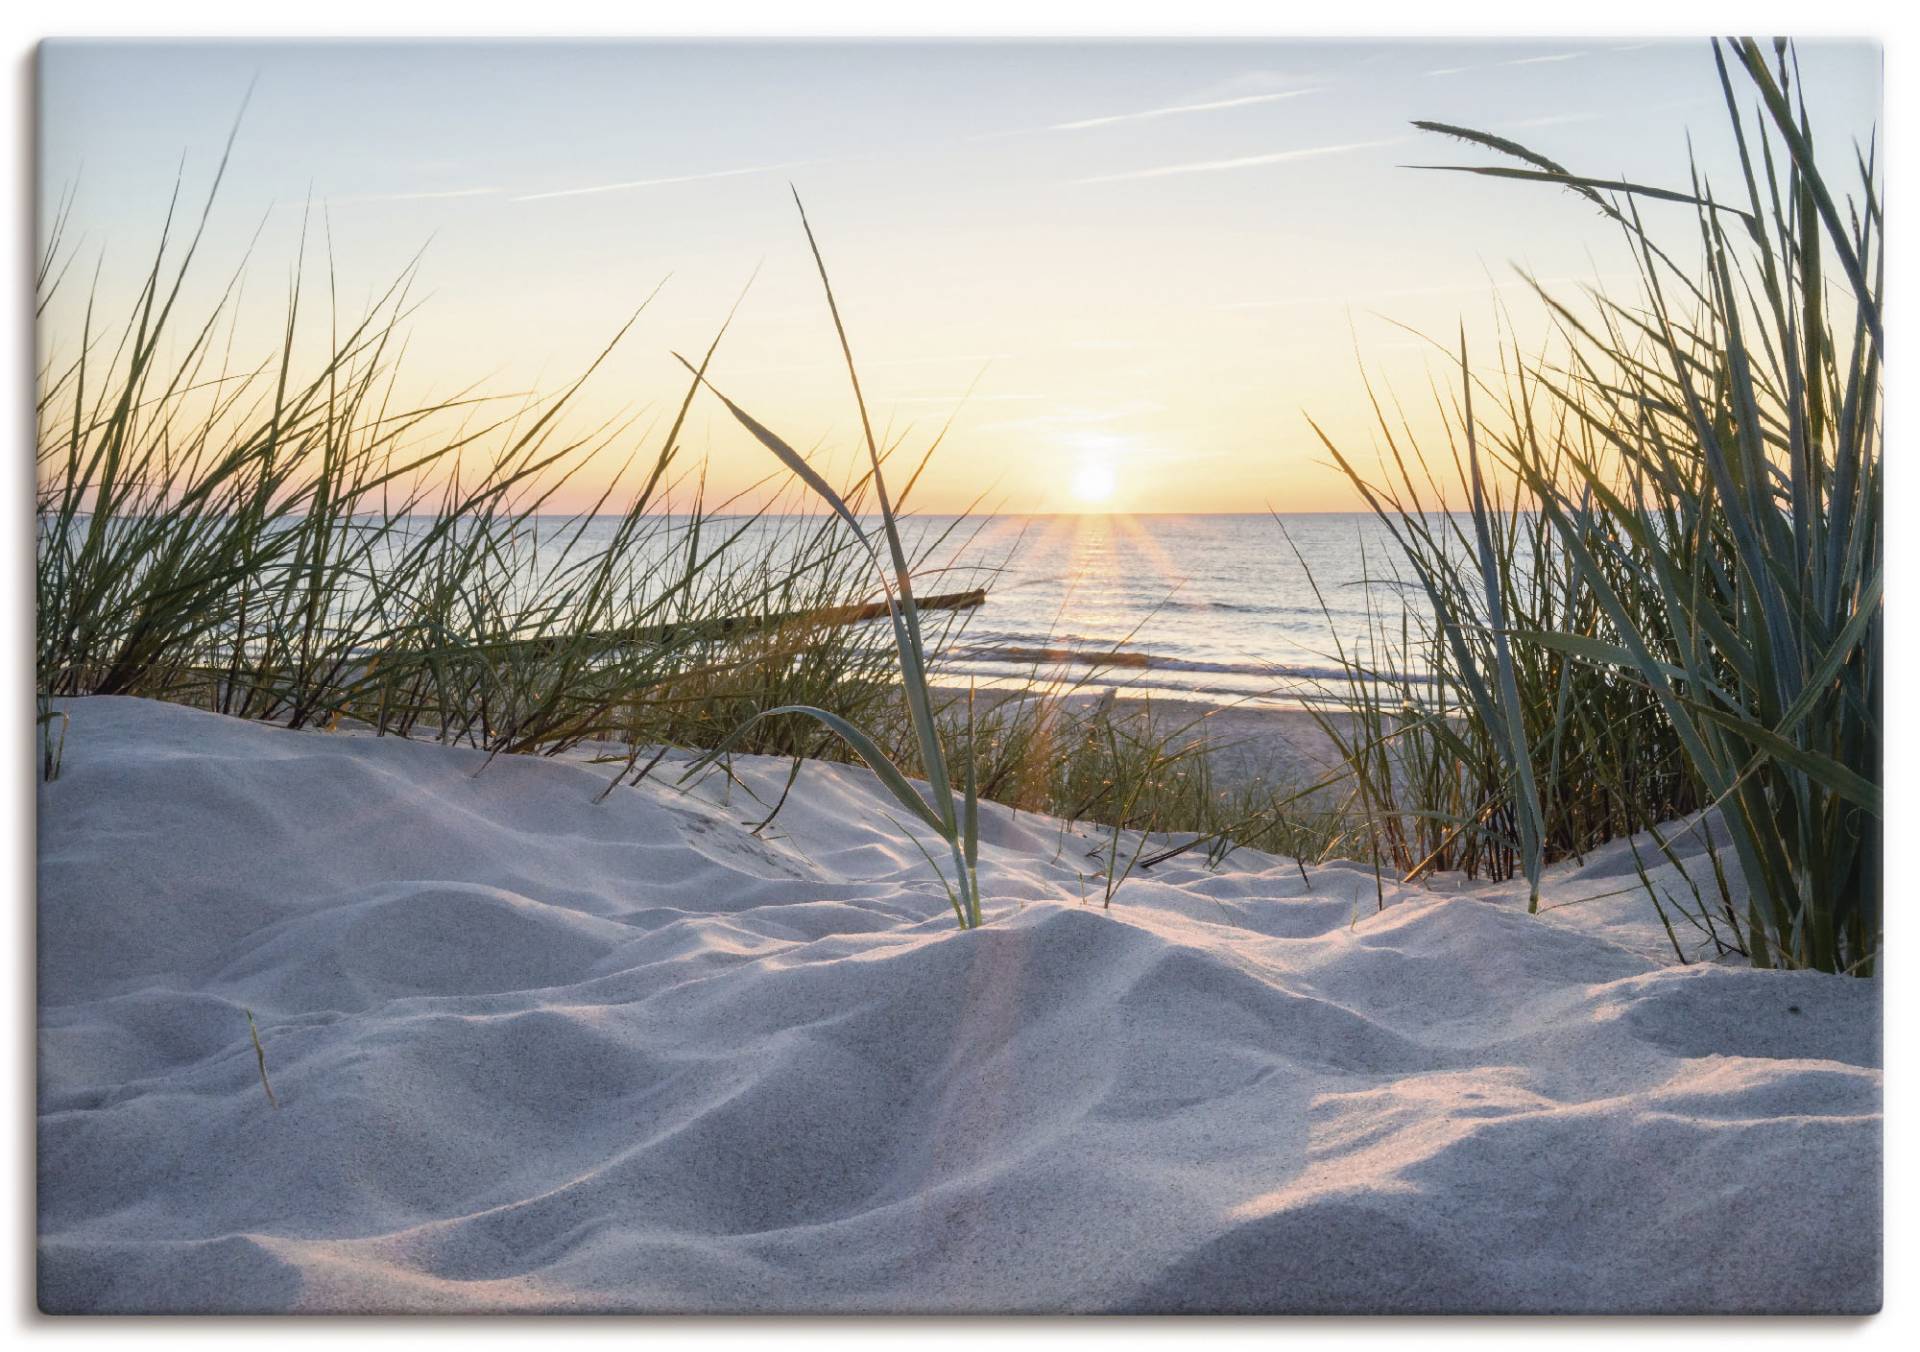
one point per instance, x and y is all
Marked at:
(538, 1053)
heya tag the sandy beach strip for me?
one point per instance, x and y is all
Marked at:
(1268, 742)
(537, 1051)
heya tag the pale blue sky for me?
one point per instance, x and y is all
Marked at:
(1160, 253)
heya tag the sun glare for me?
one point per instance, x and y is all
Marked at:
(1093, 482)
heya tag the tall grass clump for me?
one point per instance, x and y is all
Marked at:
(1471, 749)
(1677, 603)
(285, 539)
(953, 817)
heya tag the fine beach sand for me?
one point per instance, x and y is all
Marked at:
(537, 1053)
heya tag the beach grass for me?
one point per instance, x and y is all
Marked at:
(1676, 605)
(953, 816)
(284, 541)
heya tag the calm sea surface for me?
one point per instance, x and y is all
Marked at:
(1204, 605)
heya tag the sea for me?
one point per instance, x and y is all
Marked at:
(1257, 607)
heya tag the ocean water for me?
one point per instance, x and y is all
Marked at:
(1208, 606)
(1255, 607)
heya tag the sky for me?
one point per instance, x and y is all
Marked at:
(1149, 263)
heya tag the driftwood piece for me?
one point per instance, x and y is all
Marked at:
(726, 625)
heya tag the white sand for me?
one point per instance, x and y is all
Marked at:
(541, 1054)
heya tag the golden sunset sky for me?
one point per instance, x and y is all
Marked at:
(1148, 259)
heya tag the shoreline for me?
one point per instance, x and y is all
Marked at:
(1250, 743)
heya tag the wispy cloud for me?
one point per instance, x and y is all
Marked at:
(1263, 81)
(370, 198)
(633, 183)
(1240, 162)
(435, 196)
(1641, 109)
(1547, 58)
(1175, 110)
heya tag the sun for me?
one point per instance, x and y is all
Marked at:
(1093, 482)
